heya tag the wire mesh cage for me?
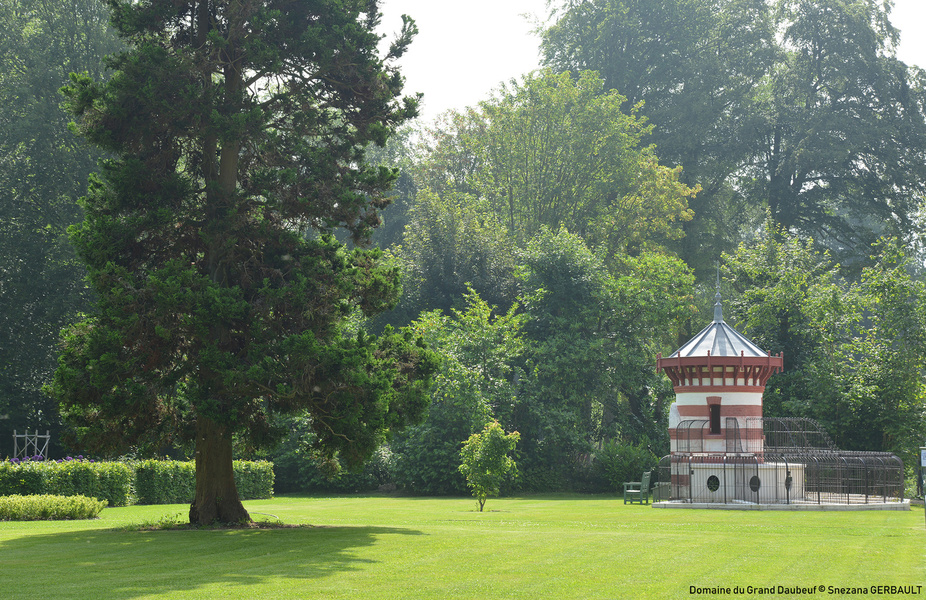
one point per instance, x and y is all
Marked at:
(689, 435)
(791, 434)
(798, 463)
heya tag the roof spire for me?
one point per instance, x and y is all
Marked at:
(718, 308)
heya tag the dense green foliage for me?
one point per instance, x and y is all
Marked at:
(164, 482)
(427, 455)
(551, 367)
(453, 242)
(123, 483)
(111, 482)
(855, 351)
(695, 66)
(593, 384)
(481, 362)
(619, 463)
(297, 466)
(843, 137)
(254, 478)
(548, 240)
(49, 508)
(557, 151)
(799, 107)
(512, 215)
(174, 482)
(295, 470)
(43, 169)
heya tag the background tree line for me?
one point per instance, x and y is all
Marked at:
(43, 170)
(556, 237)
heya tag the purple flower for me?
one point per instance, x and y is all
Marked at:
(15, 461)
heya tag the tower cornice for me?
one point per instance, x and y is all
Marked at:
(724, 371)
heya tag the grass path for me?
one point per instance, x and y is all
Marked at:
(530, 548)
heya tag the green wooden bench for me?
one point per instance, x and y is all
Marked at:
(637, 491)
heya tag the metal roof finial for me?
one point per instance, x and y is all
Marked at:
(718, 308)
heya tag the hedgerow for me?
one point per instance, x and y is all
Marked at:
(111, 482)
(124, 483)
(174, 482)
(48, 507)
(164, 481)
(254, 479)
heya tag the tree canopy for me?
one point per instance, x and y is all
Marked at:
(799, 107)
(557, 151)
(693, 69)
(481, 364)
(237, 133)
(451, 242)
(593, 335)
(843, 143)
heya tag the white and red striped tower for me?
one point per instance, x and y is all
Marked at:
(717, 375)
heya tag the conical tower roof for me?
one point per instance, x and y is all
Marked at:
(719, 346)
(718, 339)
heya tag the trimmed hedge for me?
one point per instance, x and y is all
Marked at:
(165, 481)
(174, 482)
(120, 484)
(49, 508)
(254, 479)
(109, 481)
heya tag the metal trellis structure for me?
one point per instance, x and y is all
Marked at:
(32, 444)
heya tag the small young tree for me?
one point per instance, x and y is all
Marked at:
(486, 462)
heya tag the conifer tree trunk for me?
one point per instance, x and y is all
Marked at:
(216, 498)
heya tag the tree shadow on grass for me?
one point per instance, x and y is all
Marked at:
(118, 564)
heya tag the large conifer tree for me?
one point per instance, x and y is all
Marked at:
(237, 131)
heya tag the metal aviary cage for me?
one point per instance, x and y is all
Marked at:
(798, 464)
(818, 478)
(690, 435)
(784, 434)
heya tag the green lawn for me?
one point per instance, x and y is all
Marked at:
(533, 548)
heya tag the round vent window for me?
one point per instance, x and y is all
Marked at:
(754, 483)
(713, 483)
